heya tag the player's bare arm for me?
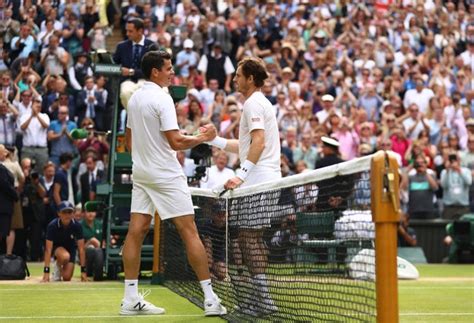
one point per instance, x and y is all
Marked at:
(178, 141)
(256, 148)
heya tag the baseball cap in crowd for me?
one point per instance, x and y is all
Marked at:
(65, 206)
(386, 103)
(217, 44)
(330, 142)
(188, 43)
(195, 93)
(327, 98)
(470, 122)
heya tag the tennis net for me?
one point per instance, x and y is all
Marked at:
(296, 249)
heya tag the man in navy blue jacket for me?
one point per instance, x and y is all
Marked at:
(129, 52)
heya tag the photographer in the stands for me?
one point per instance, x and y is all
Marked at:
(33, 211)
(455, 181)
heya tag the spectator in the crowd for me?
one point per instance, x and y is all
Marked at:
(306, 152)
(8, 196)
(59, 135)
(23, 44)
(187, 57)
(54, 58)
(94, 242)
(406, 234)
(89, 180)
(91, 104)
(78, 72)
(63, 189)
(415, 122)
(230, 128)
(371, 102)
(455, 181)
(328, 108)
(217, 65)
(64, 237)
(6, 87)
(422, 186)
(34, 125)
(8, 116)
(218, 174)
(419, 95)
(130, 11)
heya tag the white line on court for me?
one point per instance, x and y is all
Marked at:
(436, 314)
(67, 289)
(94, 316)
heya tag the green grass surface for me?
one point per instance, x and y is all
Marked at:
(445, 293)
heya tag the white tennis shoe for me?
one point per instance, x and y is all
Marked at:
(213, 307)
(56, 276)
(140, 307)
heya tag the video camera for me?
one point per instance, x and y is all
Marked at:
(201, 154)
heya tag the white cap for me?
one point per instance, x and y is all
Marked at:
(327, 97)
(195, 93)
(328, 141)
(385, 103)
(188, 43)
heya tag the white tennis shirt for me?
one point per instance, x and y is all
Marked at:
(151, 111)
(258, 113)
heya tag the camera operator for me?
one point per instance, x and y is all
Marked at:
(33, 211)
(47, 181)
(97, 143)
(455, 181)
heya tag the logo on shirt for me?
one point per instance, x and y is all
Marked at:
(255, 119)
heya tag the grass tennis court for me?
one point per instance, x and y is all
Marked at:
(444, 293)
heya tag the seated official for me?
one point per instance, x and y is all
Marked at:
(63, 238)
(92, 233)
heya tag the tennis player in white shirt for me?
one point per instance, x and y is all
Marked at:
(259, 150)
(159, 184)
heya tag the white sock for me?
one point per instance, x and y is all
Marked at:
(207, 289)
(131, 289)
(260, 280)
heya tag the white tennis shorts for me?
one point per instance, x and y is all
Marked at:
(170, 197)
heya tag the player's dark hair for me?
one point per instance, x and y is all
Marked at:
(255, 67)
(137, 23)
(153, 59)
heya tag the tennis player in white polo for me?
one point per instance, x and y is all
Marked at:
(159, 184)
(259, 150)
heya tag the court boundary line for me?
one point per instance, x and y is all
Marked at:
(60, 317)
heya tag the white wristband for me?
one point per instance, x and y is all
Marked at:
(218, 142)
(244, 170)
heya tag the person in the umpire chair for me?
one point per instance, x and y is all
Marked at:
(129, 52)
(63, 237)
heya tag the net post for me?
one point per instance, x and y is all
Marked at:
(386, 215)
(157, 274)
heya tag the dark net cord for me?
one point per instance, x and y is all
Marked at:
(302, 253)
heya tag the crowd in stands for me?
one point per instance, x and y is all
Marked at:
(394, 75)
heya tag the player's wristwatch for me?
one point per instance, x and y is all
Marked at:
(46, 270)
(131, 72)
(83, 269)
